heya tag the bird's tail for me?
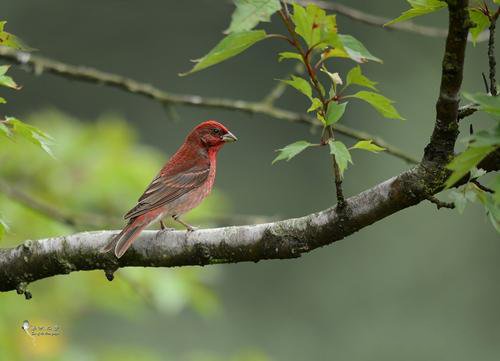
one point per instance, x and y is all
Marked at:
(122, 241)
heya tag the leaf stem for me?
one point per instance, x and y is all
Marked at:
(324, 101)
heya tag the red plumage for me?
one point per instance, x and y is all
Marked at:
(180, 186)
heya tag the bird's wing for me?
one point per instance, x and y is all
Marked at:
(168, 186)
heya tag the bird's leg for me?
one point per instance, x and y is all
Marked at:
(188, 226)
(163, 228)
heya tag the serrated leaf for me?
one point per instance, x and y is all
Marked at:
(419, 8)
(4, 69)
(8, 82)
(232, 45)
(291, 150)
(5, 130)
(5, 80)
(459, 200)
(482, 22)
(301, 85)
(368, 145)
(356, 50)
(31, 134)
(334, 112)
(341, 153)
(289, 55)
(487, 103)
(355, 76)
(249, 13)
(4, 228)
(463, 163)
(11, 41)
(313, 25)
(382, 104)
(315, 104)
(476, 173)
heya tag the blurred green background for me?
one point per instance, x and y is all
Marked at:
(420, 285)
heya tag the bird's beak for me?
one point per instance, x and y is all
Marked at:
(229, 137)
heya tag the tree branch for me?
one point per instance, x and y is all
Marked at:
(35, 260)
(379, 21)
(439, 152)
(38, 64)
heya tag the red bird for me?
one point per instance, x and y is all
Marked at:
(181, 185)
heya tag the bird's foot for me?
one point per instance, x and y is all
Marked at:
(190, 228)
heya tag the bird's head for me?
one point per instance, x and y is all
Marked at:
(211, 134)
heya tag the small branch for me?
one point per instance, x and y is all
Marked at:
(37, 65)
(491, 53)
(440, 204)
(467, 110)
(482, 187)
(379, 21)
(48, 210)
(35, 260)
(82, 221)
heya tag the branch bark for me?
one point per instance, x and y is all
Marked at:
(34, 260)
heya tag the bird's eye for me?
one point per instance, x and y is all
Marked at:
(216, 131)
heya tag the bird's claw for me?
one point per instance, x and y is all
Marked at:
(192, 229)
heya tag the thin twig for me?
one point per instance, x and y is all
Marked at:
(306, 57)
(80, 221)
(482, 187)
(379, 21)
(467, 110)
(37, 65)
(95, 220)
(440, 204)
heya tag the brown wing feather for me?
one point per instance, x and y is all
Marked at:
(167, 187)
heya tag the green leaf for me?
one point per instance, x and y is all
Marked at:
(341, 153)
(230, 46)
(356, 50)
(290, 55)
(5, 130)
(356, 77)
(316, 103)
(3, 69)
(382, 104)
(249, 13)
(334, 112)
(4, 227)
(368, 145)
(2, 100)
(463, 163)
(5, 80)
(459, 200)
(301, 85)
(31, 134)
(291, 150)
(482, 22)
(11, 41)
(8, 82)
(487, 103)
(313, 25)
(419, 8)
